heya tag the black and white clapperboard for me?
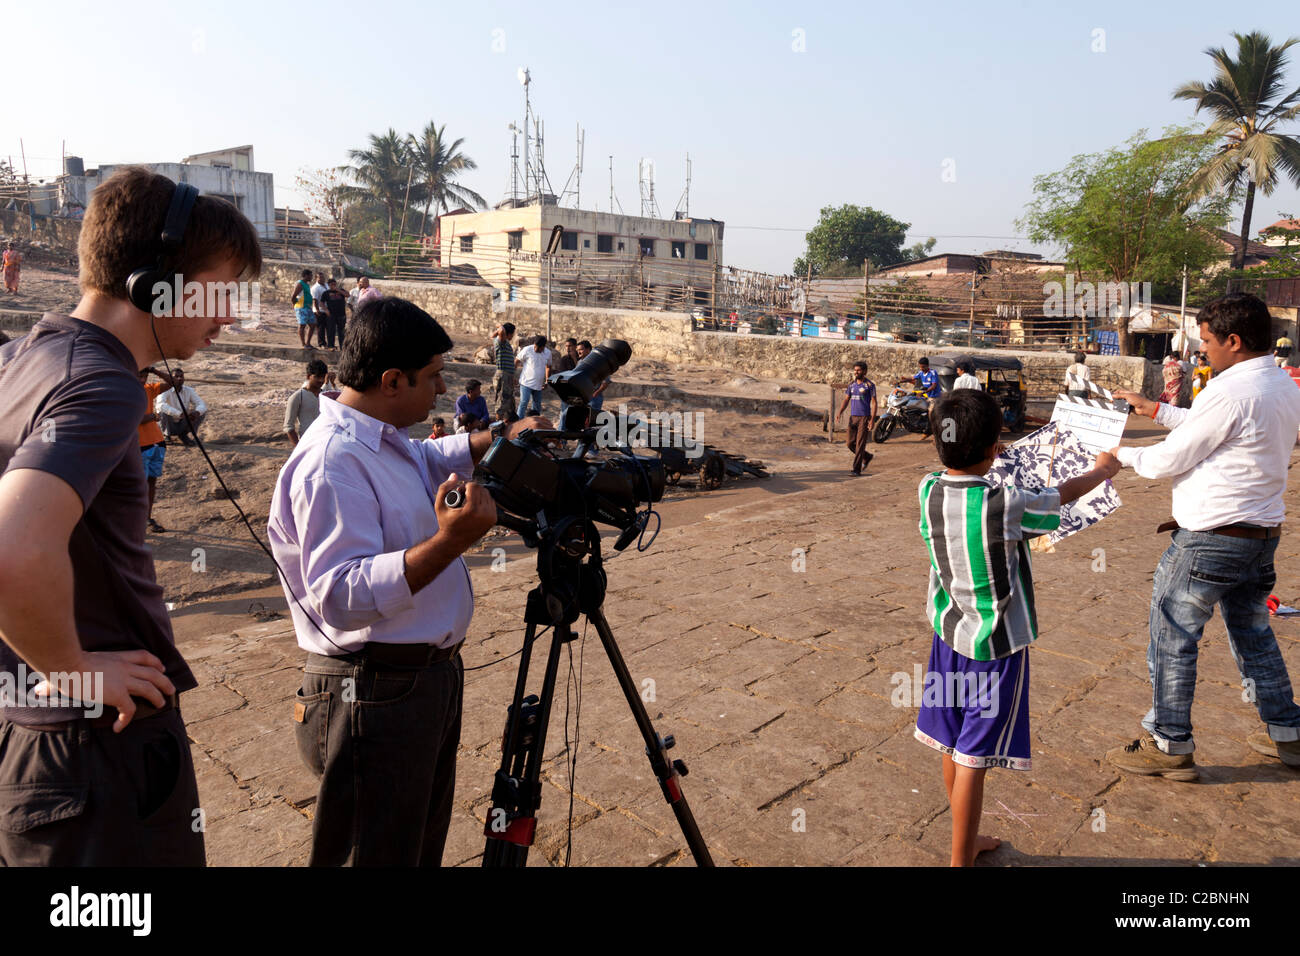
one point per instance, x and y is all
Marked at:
(1098, 420)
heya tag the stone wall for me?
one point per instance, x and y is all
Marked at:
(51, 231)
(667, 337)
(831, 361)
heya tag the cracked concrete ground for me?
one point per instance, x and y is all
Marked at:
(778, 686)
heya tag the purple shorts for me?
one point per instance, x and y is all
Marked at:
(977, 712)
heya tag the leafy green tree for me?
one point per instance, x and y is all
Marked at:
(919, 250)
(1246, 103)
(847, 235)
(380, 173)
(1125, 213)
(437, 164)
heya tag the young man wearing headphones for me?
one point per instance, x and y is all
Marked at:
(105, 779)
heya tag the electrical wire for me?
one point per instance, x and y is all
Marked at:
(189, 422)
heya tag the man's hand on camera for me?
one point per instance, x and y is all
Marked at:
(535, 422)
(466, 524)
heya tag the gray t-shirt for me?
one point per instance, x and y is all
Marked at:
(302, 410)
(70, 406)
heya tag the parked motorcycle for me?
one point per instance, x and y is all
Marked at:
(906, 407)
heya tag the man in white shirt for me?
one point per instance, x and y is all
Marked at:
(168, 408)
(1228, 457)
(534, 364)
(1077, 376)
(380, 597)
(965, 376)
(318, 291)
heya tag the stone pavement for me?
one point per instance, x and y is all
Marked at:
(780, 685)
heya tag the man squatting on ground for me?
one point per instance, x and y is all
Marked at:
(981, 605)
(1228, 457)
(367, 545)
(80, 595)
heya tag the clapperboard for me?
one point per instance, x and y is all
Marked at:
(1098, 419)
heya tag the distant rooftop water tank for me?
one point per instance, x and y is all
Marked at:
(73, 166)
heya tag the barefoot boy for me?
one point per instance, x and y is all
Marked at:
(981, 604)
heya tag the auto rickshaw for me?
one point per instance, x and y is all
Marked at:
(1002, 376)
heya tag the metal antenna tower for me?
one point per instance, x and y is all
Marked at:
(525, 80)
(684, 204)
(514, 163)
(646, 180)
(612, 198)
(575, 177)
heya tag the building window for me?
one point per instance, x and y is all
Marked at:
(606, 244)
(620, 245)
(647, 246)
(569, 241)
(466, 243)
(679, 250)
(586, 243)
(514, 240)
(702, 251)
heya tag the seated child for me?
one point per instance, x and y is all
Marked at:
(981, 605)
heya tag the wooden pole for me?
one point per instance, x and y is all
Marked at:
(866, 297)
(401, 227)
(970, 329)
(806, 292)
(713, 293)
(26, 182)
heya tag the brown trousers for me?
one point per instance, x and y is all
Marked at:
(858, 439)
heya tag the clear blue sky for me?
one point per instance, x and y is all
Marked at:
(868, 113)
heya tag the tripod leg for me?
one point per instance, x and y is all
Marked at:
(656, 747)
(517, 791)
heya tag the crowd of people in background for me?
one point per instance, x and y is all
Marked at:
(175, 410)
(321, 307)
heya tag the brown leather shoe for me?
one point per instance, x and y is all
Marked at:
(1288, 751)
(1143, 757)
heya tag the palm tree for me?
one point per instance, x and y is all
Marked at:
(1243, 100)
(437, 164)
(381, 172)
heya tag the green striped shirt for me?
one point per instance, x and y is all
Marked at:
(981, 596)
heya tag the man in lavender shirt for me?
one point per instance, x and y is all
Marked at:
(380, 596)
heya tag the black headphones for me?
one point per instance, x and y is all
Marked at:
(140, 283)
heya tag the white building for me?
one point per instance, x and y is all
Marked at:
(226, 174)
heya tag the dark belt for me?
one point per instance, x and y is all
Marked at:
(108, 718)
(1232, 530)
(406, 655)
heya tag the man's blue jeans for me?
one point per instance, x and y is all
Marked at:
(1199, 571)
(529, 396)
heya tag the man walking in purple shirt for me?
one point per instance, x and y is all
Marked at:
(379, 594)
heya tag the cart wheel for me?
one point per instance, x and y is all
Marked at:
(712, 472)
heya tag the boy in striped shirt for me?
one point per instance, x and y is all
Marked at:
(975, 708)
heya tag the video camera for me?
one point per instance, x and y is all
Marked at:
(534, 488)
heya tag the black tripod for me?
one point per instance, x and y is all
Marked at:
(566, 588)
